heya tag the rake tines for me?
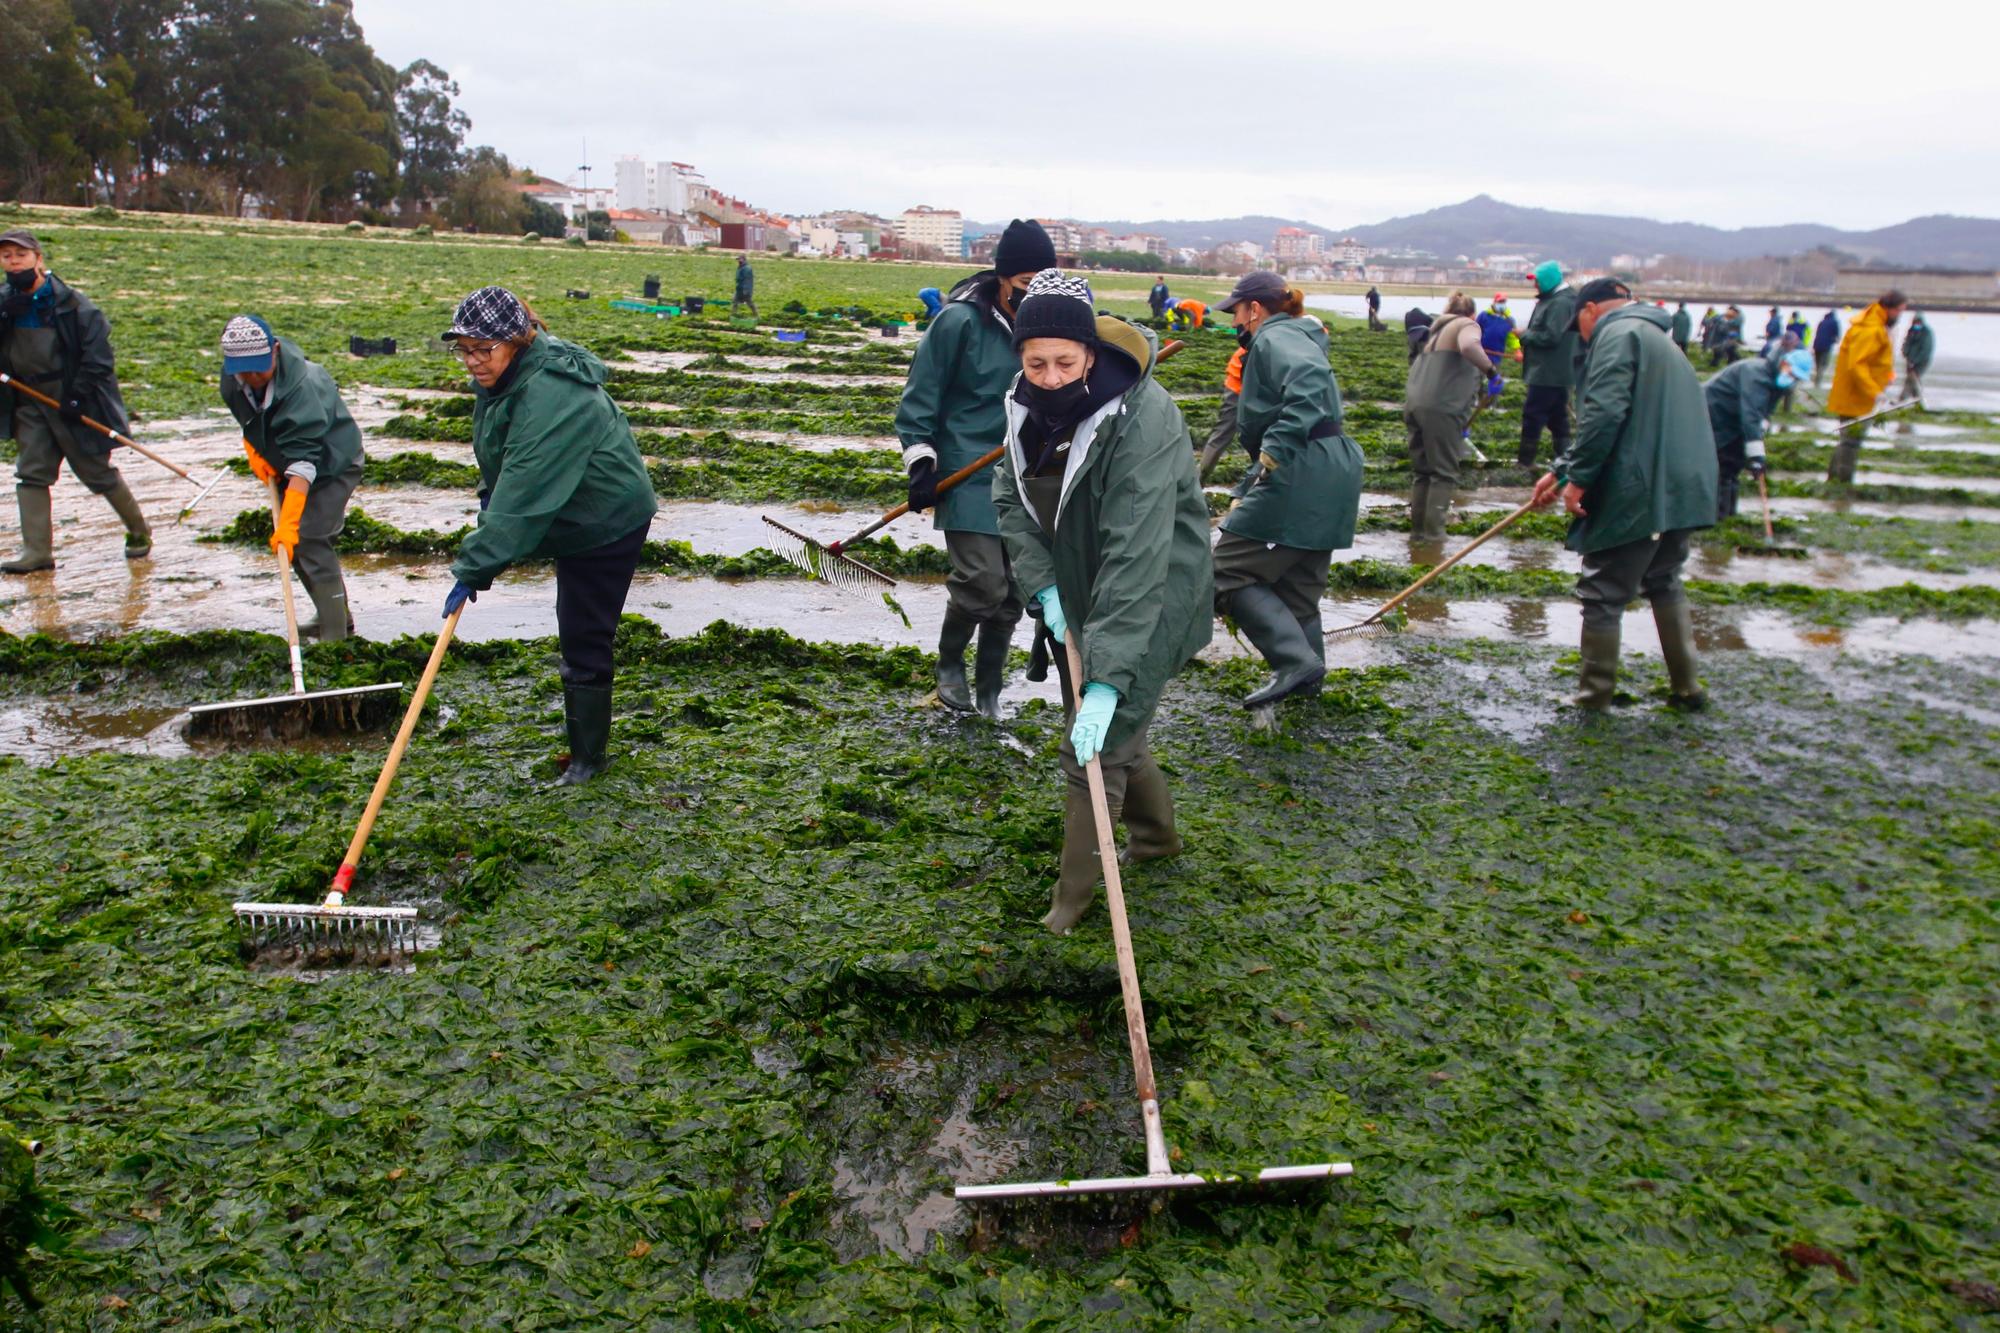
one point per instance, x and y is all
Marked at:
(826, 563)
(315, 930)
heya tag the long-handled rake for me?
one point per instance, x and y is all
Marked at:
(118, 437)
(830, 562)
(289, 716)
(1375, 619)
(331, 921)
(1160, 1174)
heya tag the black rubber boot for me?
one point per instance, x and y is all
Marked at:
(1525, 455)
(138, 536)
(1676, 627)
(1840, 467)
(1264, 619)
(1725, 498)
(37, 532)
(1315, 632)
(952, 640)
(587, 718)
(989, 668)
(1597, 678)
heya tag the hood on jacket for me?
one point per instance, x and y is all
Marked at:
(548, 354)
(1653, 315)
(1125, 354)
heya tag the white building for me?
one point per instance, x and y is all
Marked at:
(1347, 250)
(665, 186)
(940, 229)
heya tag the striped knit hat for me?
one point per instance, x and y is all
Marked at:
(248, 347)
(1058, 305)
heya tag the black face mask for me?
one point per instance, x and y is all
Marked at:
(1056, 408)
(24, 281)
(1243, 337)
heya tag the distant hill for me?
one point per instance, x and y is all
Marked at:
(1484, 225)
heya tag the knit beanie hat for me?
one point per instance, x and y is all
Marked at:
(492, 313)
(247, 346)
(1024, 248)
(1058, 305)
(1548, 276)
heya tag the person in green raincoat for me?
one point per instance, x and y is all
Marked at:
(1277, 541)
(1637, 480)
(296, 433)
(1107, 532)
(1548, 367)
(949, 417)
(560, 478)
(1919, 346)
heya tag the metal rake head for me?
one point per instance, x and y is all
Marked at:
(829, 566)
(336, 932)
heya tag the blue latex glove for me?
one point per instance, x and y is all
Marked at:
(1093, 720)
(1052, 612)
(1494, 386)
(460, 594)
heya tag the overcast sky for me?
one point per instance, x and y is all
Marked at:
(1735, 115)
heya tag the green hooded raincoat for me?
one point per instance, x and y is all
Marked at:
(951, 405)
(306, 422)
(1309, 494)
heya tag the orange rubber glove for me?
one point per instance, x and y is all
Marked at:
(286, 538)
(259, 469)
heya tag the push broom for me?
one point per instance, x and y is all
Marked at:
(118, 437)
(829, 561)
(1160, 1174)
(332, 921)
(289, 716)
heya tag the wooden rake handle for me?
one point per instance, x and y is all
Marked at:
(285, 583)
(985, 460)
(117, 437)
(1764, 497)
(343, 878)
(1121, 937)
(1442, 566)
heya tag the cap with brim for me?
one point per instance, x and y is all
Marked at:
(1598, 289)
(247, 346)
(492, 314)
(1260, 285)
(25, 239)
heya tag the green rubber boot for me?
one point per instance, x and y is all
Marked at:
(138, 536)
(989, 668)
(1598, 677)
(1264, 619)
(587, 718)
(1676, 626)
(952, 640)
(37, 532)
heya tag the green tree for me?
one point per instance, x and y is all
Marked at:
(68, 124)
(545, 218)
(433, 134)
(484, 197)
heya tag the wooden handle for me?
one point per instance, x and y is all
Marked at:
(1469, 548)
(985, 460)
(1764, 495)
(344, 877)
(1114, 899)
(285, 582)
(101, 428)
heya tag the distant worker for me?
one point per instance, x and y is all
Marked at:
(952, 413)
(933, 301)
(1865, 368)
(1374, 299)
(1740, 403)
(746, 287)
(1416, 329)
(1637, 483)
(1186, 314)
(1496, 330)
(298, 434)
(1799, 329)
(1826, 342)
(1706, 328)
(1682, 327)
(1158, 297)
(1272, 554)
(1225, 421)
(1550, 347)
(1919, 345)
(1445, 383)
(54, 338)
(560, 478)
(1774, 329)
(1725, 338)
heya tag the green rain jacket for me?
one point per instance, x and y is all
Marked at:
(306, 421)
(1643, 451)
(1919, 345)
(1740, 400)
(1309, 494)
(1129, 552)
(1548, 346)
(951, 409)
(1683, 325)
(557, 464)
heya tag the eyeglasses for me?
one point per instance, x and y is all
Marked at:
(467, 353)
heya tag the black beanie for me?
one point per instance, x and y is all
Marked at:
(1024, 248)
(1058, 305)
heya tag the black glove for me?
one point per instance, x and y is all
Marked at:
(1756, 466)
(923, 485)
(71, 410)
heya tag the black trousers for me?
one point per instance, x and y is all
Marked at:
(590, 596)
(1547, 405)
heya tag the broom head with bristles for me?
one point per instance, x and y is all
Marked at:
(829, 566)
(290, 717)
